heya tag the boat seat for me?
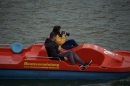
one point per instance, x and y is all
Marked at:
(33, 51)
(43, 52)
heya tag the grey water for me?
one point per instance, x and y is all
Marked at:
(102, 22)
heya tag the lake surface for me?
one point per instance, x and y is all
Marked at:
(102, 22)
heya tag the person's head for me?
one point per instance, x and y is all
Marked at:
(53, 36)
(56, 29)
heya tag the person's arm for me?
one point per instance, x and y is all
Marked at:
(60, 40)
(53, 52)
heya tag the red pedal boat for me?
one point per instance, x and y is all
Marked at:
(33, 63)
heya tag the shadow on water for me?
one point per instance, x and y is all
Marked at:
(55, 82)
(121, 83)
(37, 82)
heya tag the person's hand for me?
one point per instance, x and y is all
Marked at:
(62, 49)
(59, 48)
(64, 34)
(65, 58)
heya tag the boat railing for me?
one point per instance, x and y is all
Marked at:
(42, 57)
(6, 61)
(39, 42)
(5, 45)
(9, 45)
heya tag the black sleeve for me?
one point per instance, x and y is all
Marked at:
(47, 40)
(53, 52)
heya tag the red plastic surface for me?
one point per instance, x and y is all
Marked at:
(35, 57)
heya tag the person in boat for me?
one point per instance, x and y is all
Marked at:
(53, 51)
(61, 39)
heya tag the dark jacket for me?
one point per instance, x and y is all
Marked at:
(52, 49)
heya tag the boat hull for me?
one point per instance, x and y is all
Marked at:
(51, 74)
(33, 63)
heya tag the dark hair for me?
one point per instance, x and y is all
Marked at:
(53, 34)
(56, 30)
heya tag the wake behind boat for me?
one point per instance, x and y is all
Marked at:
(33, 63)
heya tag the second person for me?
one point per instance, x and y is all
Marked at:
(61, 39)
